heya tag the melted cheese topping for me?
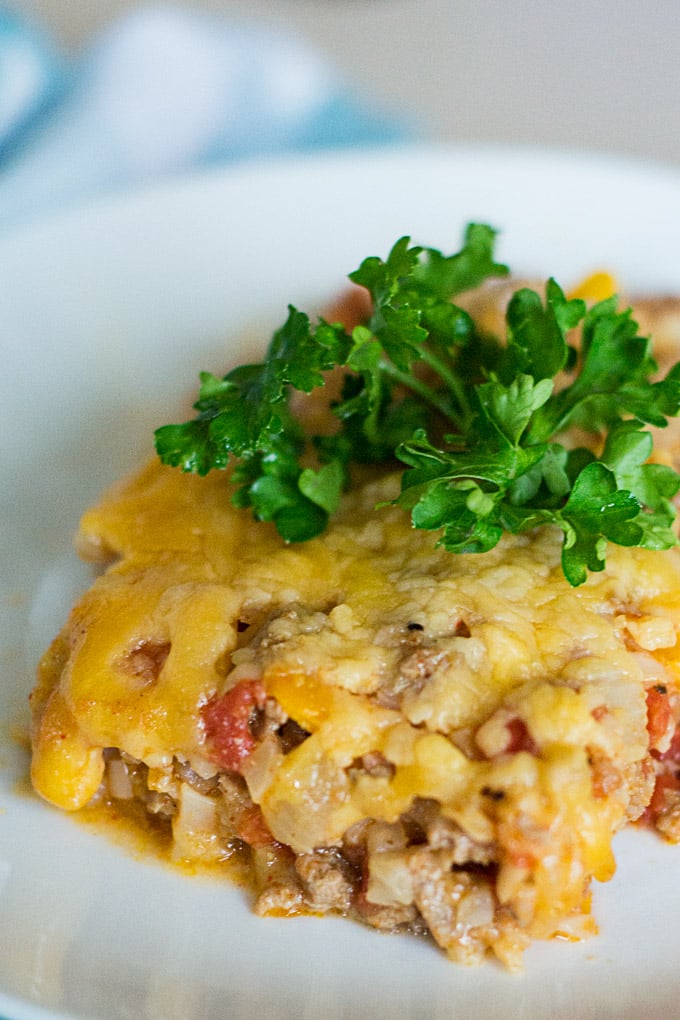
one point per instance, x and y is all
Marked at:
(375, 642)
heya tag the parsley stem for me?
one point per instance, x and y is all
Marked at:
(425, 392)
(452, 381)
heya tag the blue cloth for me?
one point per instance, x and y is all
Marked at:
(160, 91)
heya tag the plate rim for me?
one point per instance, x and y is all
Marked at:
(127, 202)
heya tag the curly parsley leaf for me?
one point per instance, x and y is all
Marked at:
(238, 413)
(597, 512)
(421, 367)
(537, 333)
(447, 276)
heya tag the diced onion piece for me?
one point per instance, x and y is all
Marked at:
(260, 768)
(389, 879)
(118, 780)
(194, 826)
(476, 907)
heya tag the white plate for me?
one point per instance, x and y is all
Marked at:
(106, 317)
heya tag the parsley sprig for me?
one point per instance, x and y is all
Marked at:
(476, 419)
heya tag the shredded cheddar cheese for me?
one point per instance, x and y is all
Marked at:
(380, 647)
(596, 287)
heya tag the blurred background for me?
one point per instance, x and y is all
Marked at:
(123, 104)
(602, 75)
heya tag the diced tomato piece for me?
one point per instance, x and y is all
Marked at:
(665, 781)
(351, 308)
(253, 829)
(659, 715)
(520, 738)
(672, 755)
(228, 720)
